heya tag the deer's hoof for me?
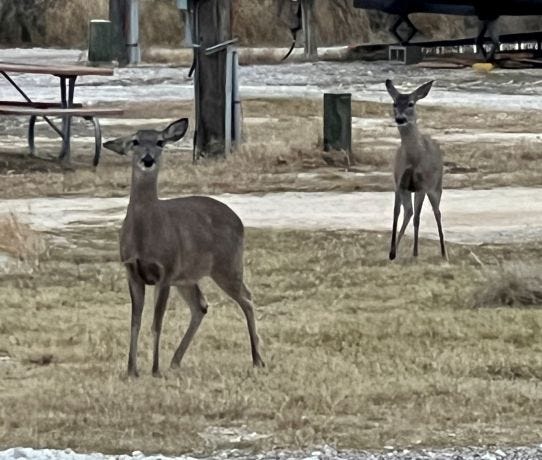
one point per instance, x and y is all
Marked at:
(258, 363)
(392, 255)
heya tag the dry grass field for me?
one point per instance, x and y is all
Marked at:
(360, 352)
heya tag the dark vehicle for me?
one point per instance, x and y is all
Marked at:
(487, 12)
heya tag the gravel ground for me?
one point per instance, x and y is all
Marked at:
(503, 215)
(323, 453)
(507, 89)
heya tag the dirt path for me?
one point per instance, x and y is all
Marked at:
(502, 215)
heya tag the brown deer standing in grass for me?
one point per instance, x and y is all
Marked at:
(176, 242)
(417, 169)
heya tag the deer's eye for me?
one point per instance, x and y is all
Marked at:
(411, 104)
(160, 143)
(135, 142)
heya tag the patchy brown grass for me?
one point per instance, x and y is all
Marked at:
(282, 150)
(360, 352)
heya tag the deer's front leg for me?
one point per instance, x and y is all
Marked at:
(161, 294)
(137, 294)
(396, 211)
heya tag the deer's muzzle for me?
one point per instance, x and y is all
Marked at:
(148, 161)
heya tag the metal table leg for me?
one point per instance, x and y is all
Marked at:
(67, 102)
(31, 131)
(31, 126)
(97, 139)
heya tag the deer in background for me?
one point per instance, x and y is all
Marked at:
(176, 242)
(417, 169)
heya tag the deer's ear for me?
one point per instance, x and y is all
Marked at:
(391, 89)
(422, 91)
(174, 131)
(121, 145)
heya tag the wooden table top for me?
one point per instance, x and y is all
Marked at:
(57, 70)
(58, 111)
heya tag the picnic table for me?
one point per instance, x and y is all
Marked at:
(65, 107)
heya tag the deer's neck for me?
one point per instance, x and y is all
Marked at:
(144, 188)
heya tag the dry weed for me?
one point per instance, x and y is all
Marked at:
(19, 240)
(512, 284)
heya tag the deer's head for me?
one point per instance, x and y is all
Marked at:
(404, 105)
(146, 145)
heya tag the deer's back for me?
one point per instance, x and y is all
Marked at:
(186, 236)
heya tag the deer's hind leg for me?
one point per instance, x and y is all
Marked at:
(406, 201)
(434, 199)
(198, 308)
(402, 197)
(238, 291)
(419, 197)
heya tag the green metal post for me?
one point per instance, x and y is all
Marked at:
(100, 46)
(338, 122)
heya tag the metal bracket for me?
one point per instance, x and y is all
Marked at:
(220, 47)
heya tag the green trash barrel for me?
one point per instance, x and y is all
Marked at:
(100, 41)
(338, 122)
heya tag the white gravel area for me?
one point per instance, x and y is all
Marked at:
(505, 89)
(502, 215)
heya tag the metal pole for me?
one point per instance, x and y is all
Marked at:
(134, 53)
(187, 30)
(184, 8)
(307, 14)
(194, 13)
(236, 102)
(228, 106)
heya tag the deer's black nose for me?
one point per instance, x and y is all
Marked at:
(400, 120)
(148, 161)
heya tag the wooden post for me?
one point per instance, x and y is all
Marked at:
(212, 24)
(117, 16)
(309, 31)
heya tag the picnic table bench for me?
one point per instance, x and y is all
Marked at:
(65, 108)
